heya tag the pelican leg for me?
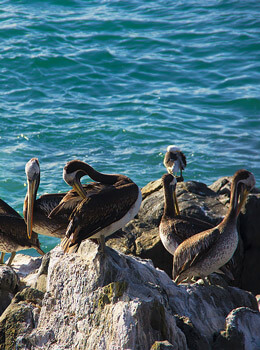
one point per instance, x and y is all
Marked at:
(2, 258)
(11, 258)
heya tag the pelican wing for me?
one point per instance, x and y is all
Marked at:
(72, 199)
(13, 232)
(6, 209)
(185, 227)
(192, 250)
(101, 210)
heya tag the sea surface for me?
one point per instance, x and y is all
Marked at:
(113, 83)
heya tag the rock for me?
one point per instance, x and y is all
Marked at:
(151, 187)
(162, 345)
(119, 301)
(9, 284)
(249, 230)
(194, 340)
(20, 317)
(242, 331)
(41, 278)
(26, 268)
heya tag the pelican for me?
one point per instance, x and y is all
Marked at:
(174, 160)
(13, 233)
(36, 211)
(208, 251)
(108, 204)
(174, 228)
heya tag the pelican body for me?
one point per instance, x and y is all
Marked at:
(174, 228)
(208, 251)
(13, 233)
(106, 204)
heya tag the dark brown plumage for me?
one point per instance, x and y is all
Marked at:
(107, 205)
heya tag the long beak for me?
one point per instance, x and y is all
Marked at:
(177, 210)
(77, 186)
(31, 196)
(243, 197)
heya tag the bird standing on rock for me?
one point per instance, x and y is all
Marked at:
(174, 228)
(36, 211)
(174, 160)
(108, 204)
(207, 251)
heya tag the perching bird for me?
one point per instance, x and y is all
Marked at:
(109, 203)
(174, 160)
(13, 233)
(174, 228)
(207, 251)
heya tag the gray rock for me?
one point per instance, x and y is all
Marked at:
(122, 302)
(9, 284)
(41, 278)
(26, 268)
(242, 331)
(20, 317)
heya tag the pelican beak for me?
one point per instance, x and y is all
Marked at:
(31, 198)
(243, 197)
(175, 202)
(77, 186)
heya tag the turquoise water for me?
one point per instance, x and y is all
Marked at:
(114, 82)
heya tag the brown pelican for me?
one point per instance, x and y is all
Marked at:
(13, 233)
(174, 160)
(36, 211)
(107, 206)
(208, 251)
(174, 228)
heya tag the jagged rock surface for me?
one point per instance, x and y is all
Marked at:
(121, 302)
(242, 331)
(20, 317)
(9, 285)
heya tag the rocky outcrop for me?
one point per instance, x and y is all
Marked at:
(121, 301)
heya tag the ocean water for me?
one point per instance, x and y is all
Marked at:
(114, 82)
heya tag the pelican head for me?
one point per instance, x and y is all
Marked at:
(72, 173)
(32, 170)
(174, 160)
(244, 182)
